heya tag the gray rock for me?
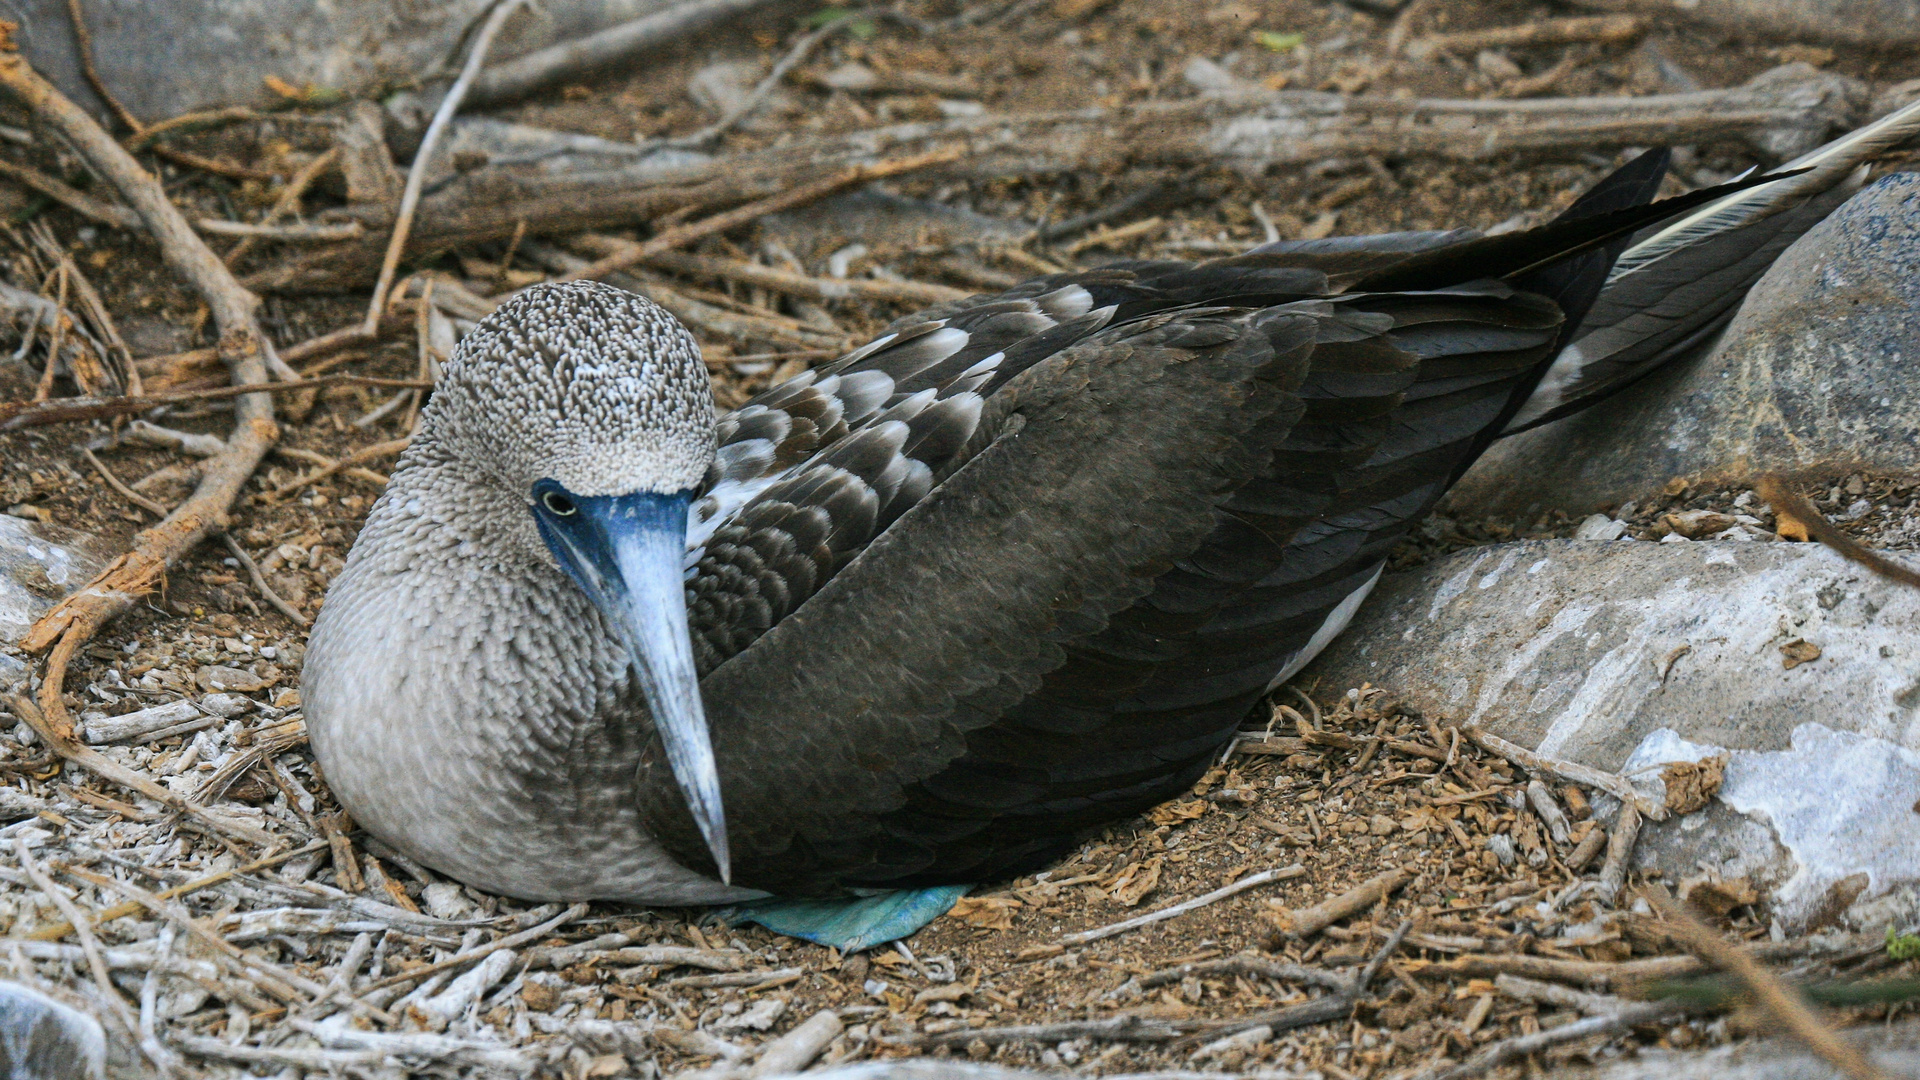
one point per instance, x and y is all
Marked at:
(1885, 24)
(1895, 1049)
(1582, 648)
(41, 1039)
(166, 57)
(39, 566)
(1627, 654)
(1813, 376)
(1825, 830)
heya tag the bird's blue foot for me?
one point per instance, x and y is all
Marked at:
(851, 924)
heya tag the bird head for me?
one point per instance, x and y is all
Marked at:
(592, 406)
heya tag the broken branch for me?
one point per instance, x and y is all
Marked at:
(243, 349)
(742, 215)
(1605, 29)
(417, 172)
(1245, 883)
(15, 415)
(1614, 785)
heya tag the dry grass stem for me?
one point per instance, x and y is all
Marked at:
(1799, 519)
(1793, 1014)
(1245, 883)
(430, 142)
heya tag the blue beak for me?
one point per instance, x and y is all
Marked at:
(626, 553)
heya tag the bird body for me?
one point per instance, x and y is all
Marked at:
(1017, 568)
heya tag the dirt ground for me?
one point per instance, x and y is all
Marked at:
(1344, 790)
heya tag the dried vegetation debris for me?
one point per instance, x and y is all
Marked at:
(1878, 511)
(284, 940)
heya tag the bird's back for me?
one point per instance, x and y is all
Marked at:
(1022, 567)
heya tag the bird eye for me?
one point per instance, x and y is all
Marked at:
(558, 504)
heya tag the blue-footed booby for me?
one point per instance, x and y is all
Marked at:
(923, 615)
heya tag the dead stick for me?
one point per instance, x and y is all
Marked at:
(284, 983)
(24, 414)
(1588, 847)
(83, 38)
(785, 281)
(104, 213)
(289, 200)
(260, 582)
(1611, 783)
(70, 748)
(719, 223)
(1308, 921)
(1620, 841)
(417, 172)
(1773, 995)
(482, 951)
(1514, 1049)
(1607, 29)
(1245, 883)
(358, 457)
(125, 492)
(88, 943)
(75, 620)
(60, 930)
(1792, 509)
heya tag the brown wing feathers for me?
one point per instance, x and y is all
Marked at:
(1039, 552)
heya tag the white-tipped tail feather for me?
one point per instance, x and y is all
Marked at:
(1676, 287)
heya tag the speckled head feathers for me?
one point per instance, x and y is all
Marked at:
(581, 383)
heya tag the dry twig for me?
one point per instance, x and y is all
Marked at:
(481, 952)
(1605, 29)
(1620, 841)
(1799, 519)
(289, 200)
(358, 457)
(88, 943)
(1611, 783)
(1795, 1015)
(1306, 922)
(742, 215)
(1245, 883)
(789, 283)
(15, 415)
(417, 172)
(260, 582)
(124, 491)
(75, 620)
(1514, 1049)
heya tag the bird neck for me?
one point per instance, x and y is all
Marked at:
(471, 707)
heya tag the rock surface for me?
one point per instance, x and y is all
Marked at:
(1814, 375)
(352, 46)
(1825, 830)
(1895, 1049)
(1629, 654)
(1583, 648)
(39, 566)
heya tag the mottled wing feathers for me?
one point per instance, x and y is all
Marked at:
(1663, 308)
(811, 471)
(1111, 459)
(1022, 564)
(1139, 706)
